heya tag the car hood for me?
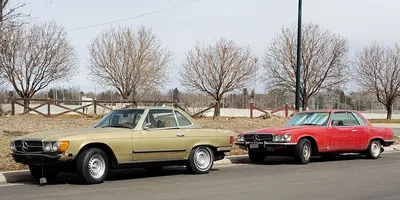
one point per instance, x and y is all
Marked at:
(282, 129)
(58, 134)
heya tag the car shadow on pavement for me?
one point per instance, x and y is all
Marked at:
(317, 159)
(115, 175)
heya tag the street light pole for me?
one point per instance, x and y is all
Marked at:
(298, 56)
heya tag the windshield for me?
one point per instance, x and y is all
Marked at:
(309, 118)
(121, 119)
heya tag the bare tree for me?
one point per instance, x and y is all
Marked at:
(132, 62)
(218, 69)
(323, 58)
(379, 71)
(10, 13)
(35, 56)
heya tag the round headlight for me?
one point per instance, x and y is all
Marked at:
(55, 147)
(47, 147)
(286, 138)
(277, 138)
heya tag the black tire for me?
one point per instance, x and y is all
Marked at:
(196, 169)
(300, 155)
(374, 150)
(256, 157)
(89, 158)
(50, 173)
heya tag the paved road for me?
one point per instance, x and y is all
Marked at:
(347, 178)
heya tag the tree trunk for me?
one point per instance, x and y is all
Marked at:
(304, 104)
(389, 112)
(26, 105)
(217, 110)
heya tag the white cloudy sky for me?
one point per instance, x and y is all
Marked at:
(251, 22)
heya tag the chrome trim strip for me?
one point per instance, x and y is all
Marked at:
(159, 151)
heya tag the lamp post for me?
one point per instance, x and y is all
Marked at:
(298, 57)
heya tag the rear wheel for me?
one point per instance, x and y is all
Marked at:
(201, 160)
(92, 165)
(374, 149)
(303, 151)
(49, 172)
(256, 157)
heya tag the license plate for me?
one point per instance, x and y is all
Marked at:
(253, 146)
(270, 148)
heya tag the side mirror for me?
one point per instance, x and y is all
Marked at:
(147, 126)
(335, 123)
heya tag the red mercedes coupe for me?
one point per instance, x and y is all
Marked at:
(317, 133)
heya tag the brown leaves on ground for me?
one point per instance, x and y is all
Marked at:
(385, 121)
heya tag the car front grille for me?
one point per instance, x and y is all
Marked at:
(253, 137)
(29, 146)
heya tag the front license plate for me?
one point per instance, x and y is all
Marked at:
(253, 146)
(270, 148)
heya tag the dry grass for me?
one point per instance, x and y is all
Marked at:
(385, 121)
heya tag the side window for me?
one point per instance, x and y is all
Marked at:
(359, 119)
(161, 119)
(182, 120)
(353, 120)
(341, 118)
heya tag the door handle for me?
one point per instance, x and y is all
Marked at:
(180, 135)
(354, 131)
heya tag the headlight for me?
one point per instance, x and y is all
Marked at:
(240, 138)
(60, 146)
(12, 146)
(282, 138)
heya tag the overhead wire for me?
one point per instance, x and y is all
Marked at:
(137, 16)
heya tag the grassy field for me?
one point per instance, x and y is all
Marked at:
(15, 126)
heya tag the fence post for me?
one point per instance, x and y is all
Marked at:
(95, 107)
(251, 109)
(48, 108)
(286, 110)
(12, 97)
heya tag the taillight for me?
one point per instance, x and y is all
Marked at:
(231, 139)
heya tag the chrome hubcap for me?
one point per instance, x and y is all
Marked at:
(202, 159)
(306, 152)
(96, 166)
(375, 149)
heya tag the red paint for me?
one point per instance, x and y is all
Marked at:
(335, 139)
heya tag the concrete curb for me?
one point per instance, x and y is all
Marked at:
(23, 176)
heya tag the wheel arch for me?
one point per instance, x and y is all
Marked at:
(212, 147)
(104, 147)
(313, 141)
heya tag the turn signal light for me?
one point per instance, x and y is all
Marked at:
(63, 146)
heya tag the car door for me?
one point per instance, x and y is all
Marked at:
(362, 133)
(161, 140)
(340, 131)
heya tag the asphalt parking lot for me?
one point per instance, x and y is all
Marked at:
(349, 177)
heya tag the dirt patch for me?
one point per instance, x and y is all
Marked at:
(397, 140)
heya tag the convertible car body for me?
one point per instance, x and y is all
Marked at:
(147, 138)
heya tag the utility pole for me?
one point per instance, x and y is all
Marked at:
(298, 57)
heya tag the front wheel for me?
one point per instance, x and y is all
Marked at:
(49, 172)
(92, 165)
(201, 160)
(374, 149)
(303, 151)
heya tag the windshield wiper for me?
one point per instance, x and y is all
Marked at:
(115, 126)
(309, 125)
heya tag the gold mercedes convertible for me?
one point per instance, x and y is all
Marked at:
(150, 138)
